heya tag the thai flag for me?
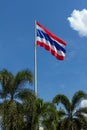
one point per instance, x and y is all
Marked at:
(50, 42)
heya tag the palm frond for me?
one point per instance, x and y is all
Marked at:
(78, 96)
(61, 113)
(65, 124)
(83, 121)
(49, 111)
(18, 82)
(81, 111)
(76, 124)
(60, 98)
(5, 79)
(26, 94)
(24, 75)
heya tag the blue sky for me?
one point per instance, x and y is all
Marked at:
(67, 20)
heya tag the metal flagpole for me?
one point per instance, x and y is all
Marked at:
(35, 65)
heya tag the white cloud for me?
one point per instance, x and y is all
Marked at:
(78, 21)
(83, 103)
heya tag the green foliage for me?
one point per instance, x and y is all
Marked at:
(20, 109)
(14, 104)
(73, 116)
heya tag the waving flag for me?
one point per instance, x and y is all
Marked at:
(50, 42)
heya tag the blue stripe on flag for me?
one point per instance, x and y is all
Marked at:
(41, 34)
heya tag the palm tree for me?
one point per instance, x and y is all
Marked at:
(38, 109)
(28, 99)
(11, 86)
(73, 117)
(45, 115)
(49, 116)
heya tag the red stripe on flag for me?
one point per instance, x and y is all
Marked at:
(51, 35)
(59, 57)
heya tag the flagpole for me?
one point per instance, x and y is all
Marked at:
(35, 64)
